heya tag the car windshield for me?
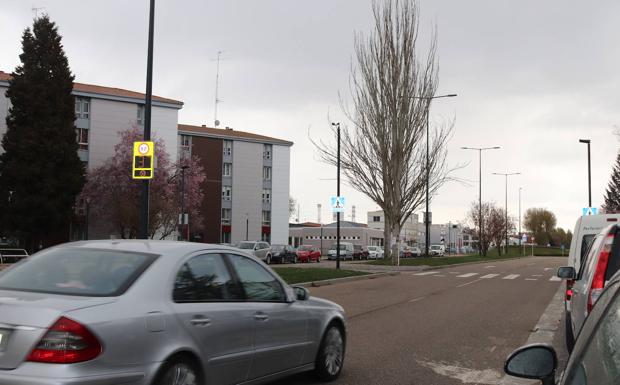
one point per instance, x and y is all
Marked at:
(277, 247)
(305, 248)
(246, 245)
(372, 248)
(77, 271)
(435, 247)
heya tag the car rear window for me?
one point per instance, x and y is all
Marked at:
(77, 271)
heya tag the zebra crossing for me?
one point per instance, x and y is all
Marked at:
(510, 277)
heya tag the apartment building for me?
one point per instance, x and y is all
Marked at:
(246, 191)
(101, 112)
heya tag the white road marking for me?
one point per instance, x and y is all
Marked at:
(555, 278)
(454, 272)
(469, 283)
(489, 276)
(416, 299)
(426, 273)
(464, 375)
(548, 268)
(466, 275)
(511, 276)
(537, 275)
(531, 279)
(488, 267)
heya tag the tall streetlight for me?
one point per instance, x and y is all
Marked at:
(520, 188)
(587, 141)
(144, 205)
(427, 218)
(506, 175)
(480, 149)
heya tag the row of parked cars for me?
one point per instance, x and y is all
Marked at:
(280, 253)
(592, 311)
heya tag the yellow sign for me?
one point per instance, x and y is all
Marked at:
(142, 165)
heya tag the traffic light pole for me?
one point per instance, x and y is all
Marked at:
(144, 204)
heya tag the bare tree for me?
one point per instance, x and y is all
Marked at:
(473, 218)
(383, 151)
(497, 227)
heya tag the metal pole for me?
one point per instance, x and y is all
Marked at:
(247, 225)
(520, 236)
(144, 206)
(506, 249)
(338, 195)
(480, 201)
(589, 179)
(428, 231)
(87, 217)
(182, 203)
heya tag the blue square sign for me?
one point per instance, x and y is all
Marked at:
(338, 204)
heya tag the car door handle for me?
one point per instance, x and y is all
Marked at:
(261, 317)
(200, 321)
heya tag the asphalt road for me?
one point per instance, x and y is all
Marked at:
(440, 327)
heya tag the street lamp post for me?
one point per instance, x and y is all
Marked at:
(480, 149)
(587, 141)
(247, 225)
(520, 236)
(183, 168)
(427, 216)
(506, 175)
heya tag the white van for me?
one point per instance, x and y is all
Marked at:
(346, 251)
(586, 229)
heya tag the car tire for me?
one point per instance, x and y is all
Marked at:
(330, 357)
(171, 370)
(568, 333)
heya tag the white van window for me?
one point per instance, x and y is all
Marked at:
(586, 242)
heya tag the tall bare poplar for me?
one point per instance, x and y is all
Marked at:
(383, 150)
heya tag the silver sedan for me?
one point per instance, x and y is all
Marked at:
(160, 313)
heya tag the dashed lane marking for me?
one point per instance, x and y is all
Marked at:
(466, 275)
(555, 279)
(489, 267)
(426, 273)
(531, 279)
(489, 276)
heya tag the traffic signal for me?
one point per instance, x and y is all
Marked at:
(142, 165)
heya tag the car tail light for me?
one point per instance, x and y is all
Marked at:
(598, 281)
(66, 342)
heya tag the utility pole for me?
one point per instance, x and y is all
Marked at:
(506, 175)
(144, 206)
(520, 236)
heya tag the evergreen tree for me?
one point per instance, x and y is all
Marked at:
(612, 196)
(40, 171)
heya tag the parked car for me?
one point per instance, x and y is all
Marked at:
(10, 255)
(80, 312)
(360, 252)
(405, 252)
(416, 252)
(307, 253)
(283, 254)
(346, 251)
(586, 228)
(437, 250)
(375, 252)
(261, 250)
(600, 263)
(594, 359)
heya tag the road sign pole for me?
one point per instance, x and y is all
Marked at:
(338, 194)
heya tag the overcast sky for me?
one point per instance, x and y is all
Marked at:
(531, 76)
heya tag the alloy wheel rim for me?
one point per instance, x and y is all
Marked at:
(182, 374)
(333, 351)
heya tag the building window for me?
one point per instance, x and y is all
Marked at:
(266, 218)
(225, 237)
(266, 173)
(265, 237)
(228, 147)
(376, 219)
(140, 115)
(225, 216)
(82, 138)
(185, 146)
(226, 169)
(267, 151)
(82, 108)
(226, 193)
(266, 196)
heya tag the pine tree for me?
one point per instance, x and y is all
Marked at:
(40, 171)
(612, 196)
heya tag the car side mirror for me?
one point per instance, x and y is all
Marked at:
(566, 272)
(536, 361)
(301, 293)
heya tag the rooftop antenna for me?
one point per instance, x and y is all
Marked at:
(36, 11)
(217, 83)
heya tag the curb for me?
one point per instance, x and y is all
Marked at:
(334, 281)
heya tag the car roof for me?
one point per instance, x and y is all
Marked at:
(148, 246)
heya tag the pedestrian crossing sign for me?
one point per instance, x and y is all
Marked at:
(338, 204)
(589, 211)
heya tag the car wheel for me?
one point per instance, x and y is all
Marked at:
(178, 372)
(330, 357)
(568, 333)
